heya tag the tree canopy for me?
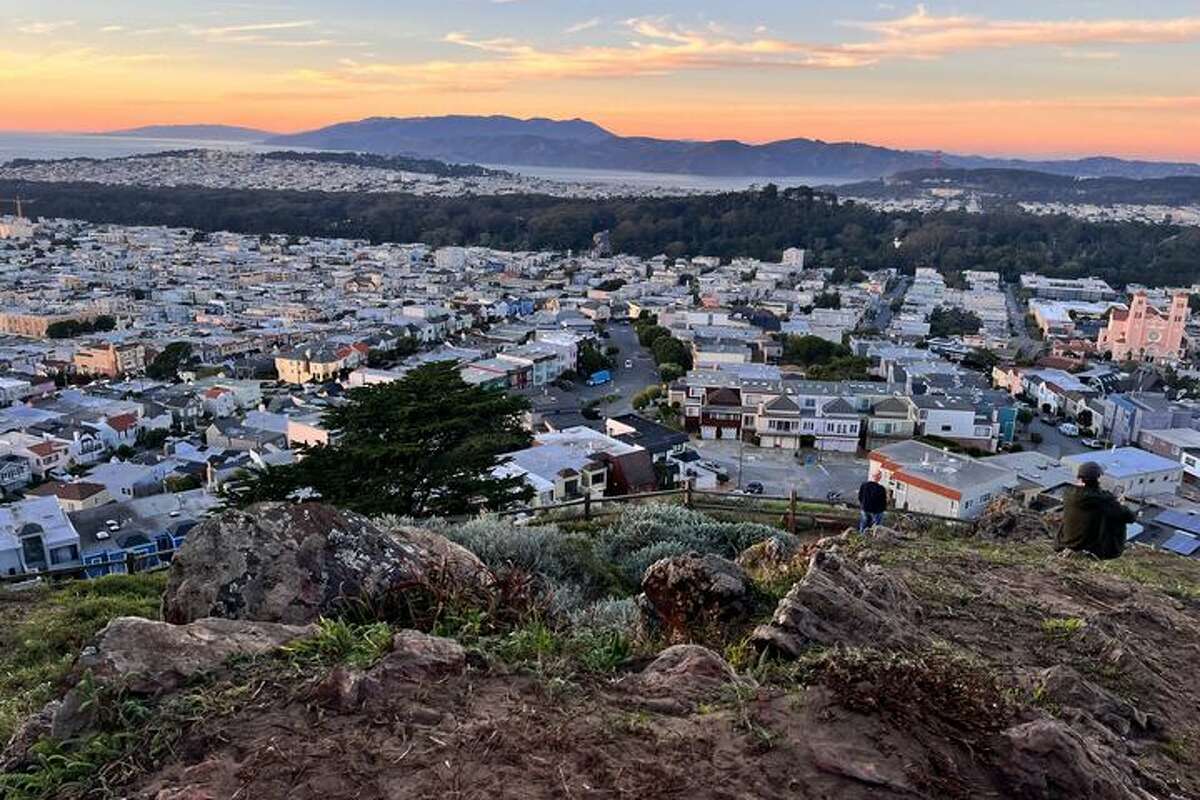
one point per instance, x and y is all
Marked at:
(166, 364)
(805, 350)
(947, 321)
(422, 446)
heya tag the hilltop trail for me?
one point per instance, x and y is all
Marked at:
(930, 664)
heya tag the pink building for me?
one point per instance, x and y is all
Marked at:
(1146, 333)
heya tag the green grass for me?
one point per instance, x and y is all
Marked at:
(1062, 629)
(44, 630)
(338, 641)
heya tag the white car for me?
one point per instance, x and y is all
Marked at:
(1067, 429)
(628, 364)
(1095, 444)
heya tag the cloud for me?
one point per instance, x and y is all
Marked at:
(112, 29)
(659, 47)
(264, 34)
(41, 28)
(580, 27)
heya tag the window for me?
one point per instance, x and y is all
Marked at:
(946, 428)
(64, 555)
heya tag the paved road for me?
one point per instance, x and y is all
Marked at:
(626, 382)
(1054, 443)
(779, 471)
(883, 317)
(1016, 318)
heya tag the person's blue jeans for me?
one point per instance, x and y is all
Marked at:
(867, 519)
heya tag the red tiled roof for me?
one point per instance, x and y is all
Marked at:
(122, 422)
(47, 448)
(215, 392)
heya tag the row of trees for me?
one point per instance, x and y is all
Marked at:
(759, 224)
(73, 327)
(824, 360)
(673, 356)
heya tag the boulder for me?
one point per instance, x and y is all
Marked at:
(289, 563)
(35, 728)
(149, 657)
(419, 657)
(687, 673)
(839, 601)
(448, 565)
(684, 593)
(1045, 758)
(772, 558)
(1006, 519)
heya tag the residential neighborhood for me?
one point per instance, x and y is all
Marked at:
(147, 371)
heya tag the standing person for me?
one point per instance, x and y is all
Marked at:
(1093, 519)
(872, 500)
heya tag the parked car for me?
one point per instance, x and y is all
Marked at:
(628, 363)
(1095, 444)
(1068, 429)
(754, 487)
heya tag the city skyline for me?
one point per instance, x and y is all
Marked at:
(999, 79)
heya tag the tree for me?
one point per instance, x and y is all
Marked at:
(842, 368)
(1024, 416)
(152, 438)
(946, 321)
(646, 396)
(591, 360)
(425, 445)
(805, 350)
(166, 365)
(669, 350)
(828, 300)
(649, 334)
(669, 373)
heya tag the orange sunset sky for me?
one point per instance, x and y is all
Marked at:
(1073, 77)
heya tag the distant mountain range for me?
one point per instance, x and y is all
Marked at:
(210, 133)
(577, 143)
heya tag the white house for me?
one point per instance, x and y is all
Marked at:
(35, 534)
(932, 481)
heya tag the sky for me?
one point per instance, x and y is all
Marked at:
(1044, 78)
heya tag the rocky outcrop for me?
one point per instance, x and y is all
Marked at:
(772, 558)
(1007, 520)
(686, 593)
(415, 658)
(1046, 758)
(288, 563)
(1078, 697)
(686, 673)
(147, 657)
(839, 601)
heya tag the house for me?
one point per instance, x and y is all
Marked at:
(16, 472)
(833, 425)
(1042, 479)
(891, 418)
(125, 480)
(569, 464)
(659, 440)
(953, 419)
(36, 535)
(925, 479)
(1177, 444)
(1132, 473)
(77, 496)
(110, 360)
(319, 363)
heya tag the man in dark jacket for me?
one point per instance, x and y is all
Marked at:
(872, 500)
(1093, 519)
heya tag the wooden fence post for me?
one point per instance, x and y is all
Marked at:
(792, 511)
(587, 505)
(687, 493)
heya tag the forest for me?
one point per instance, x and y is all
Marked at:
(756, 224)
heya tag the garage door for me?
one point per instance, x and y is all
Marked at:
(708, 432)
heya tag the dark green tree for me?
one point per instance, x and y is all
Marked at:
(166, 365)
(669, 350)
(422, 446)
(806, 350)
(946, 321)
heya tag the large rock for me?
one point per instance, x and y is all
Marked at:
(149, 657)
(689, 592)
(772, 558)
(686, 672)
(839, 601)
(1045, 758)
(288, 563)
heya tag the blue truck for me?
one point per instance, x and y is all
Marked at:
(600, 378)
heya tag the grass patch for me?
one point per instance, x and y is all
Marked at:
(1062, 629)
(337, 641)
(44, 631)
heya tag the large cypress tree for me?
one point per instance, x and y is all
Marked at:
(421, 446)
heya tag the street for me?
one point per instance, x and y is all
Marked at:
(1054, 443)
(1016, 318)
(626, 382)
(779, 471)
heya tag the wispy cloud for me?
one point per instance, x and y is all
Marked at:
(41, 28)
(585, 25)
(267, 34)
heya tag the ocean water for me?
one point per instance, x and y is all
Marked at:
(74, 145)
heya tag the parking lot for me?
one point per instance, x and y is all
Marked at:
(779, 471)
